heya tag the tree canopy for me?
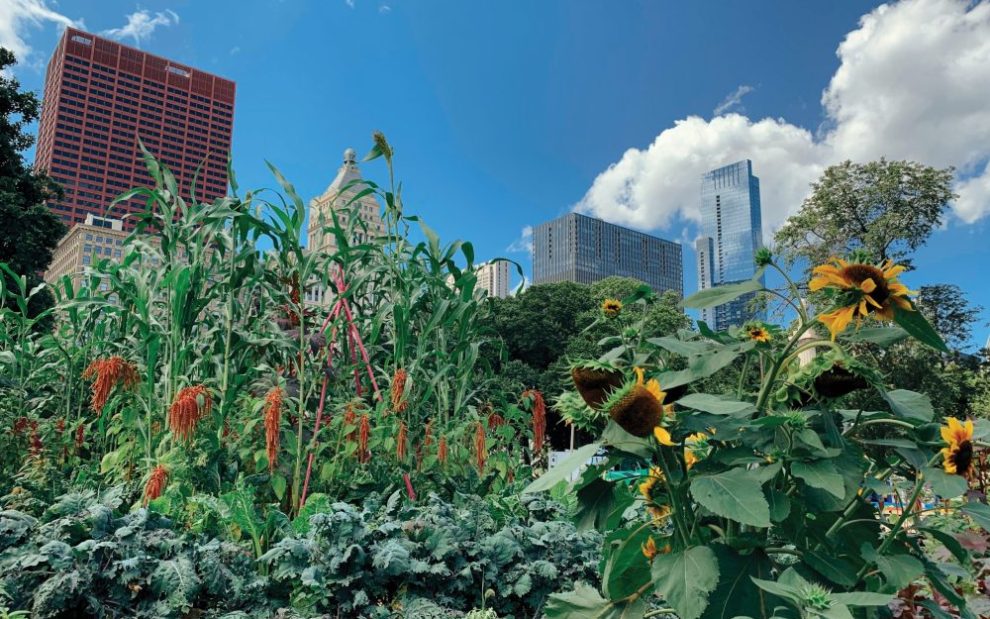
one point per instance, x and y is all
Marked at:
(885, 208)
(23, 192)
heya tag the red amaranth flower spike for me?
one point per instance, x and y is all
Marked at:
(156, 484)
(190, 406)
(273, 421)
(442, 451)
(480, 450)
(539, 418)
(397, 391)
(495, 421)
(106, 373)
(364, 432)
(402, 442)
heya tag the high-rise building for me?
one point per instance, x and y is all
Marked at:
(93, 239)
(101, 97)
(494, 277)
(336, 198)
(582, 249)
(731, 232)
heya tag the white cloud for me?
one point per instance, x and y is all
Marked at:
(141, 25)
(235, 50)
(383, 9)
(912, 83)
(524, 243)
(733, 100)
(16, 16)
(349, 3)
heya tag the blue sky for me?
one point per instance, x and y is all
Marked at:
(505, 114)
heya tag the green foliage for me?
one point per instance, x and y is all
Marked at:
(885, 208)
(23, 194)
(431, 559)
(84, 557)
(756, 499)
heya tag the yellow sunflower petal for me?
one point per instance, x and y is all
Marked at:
(663, 436)
(639, 375)
(653, 386)
(837, 320)
(868, 285)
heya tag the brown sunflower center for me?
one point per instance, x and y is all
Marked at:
(859, 273)
(962, 457)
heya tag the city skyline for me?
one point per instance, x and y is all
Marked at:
(628, 149)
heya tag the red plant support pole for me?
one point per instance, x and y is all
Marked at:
(354, 335)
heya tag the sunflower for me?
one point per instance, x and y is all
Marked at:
(695, 448)
(758, 333)
(611, 307)
(646, 486)
(862, 290)
(595, 381)
(650, 549)
(957, 455)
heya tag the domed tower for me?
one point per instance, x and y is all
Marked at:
(366, 209)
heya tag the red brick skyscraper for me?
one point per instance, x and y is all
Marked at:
(101, 96)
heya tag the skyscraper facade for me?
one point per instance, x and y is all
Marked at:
(731, 232)
(583, 249)
(101, 97)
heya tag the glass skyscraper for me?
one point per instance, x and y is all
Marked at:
(582, 249)
(731, 232)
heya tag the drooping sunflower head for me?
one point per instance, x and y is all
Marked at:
(859, 290)
(635, 409)
(611, 307)
(594, 381)
(957, 455)
(652, 385)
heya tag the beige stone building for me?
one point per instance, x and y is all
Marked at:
(366, 209)
(494, 277)
(94, 239)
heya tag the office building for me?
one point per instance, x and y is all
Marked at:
(582, 249)
(731, 232)
(365, 211)
(89, 241)
(101, 97)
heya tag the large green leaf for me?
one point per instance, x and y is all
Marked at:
(979, 512)
(735, 595)
(915, 324)
(735, 494)
(564, 469)
(626, 569)
(820, 474)
(910, 404)
(686, 578)
(586, 603)
(723, 294)
(898, 570)
(703, 366)
(838, 570)
(945, 485)
(881, 336)
(716, 405)
(615, 436)
(862, 598)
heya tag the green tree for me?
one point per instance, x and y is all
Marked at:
(949, 312)
(886, 208)
(22, 192)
